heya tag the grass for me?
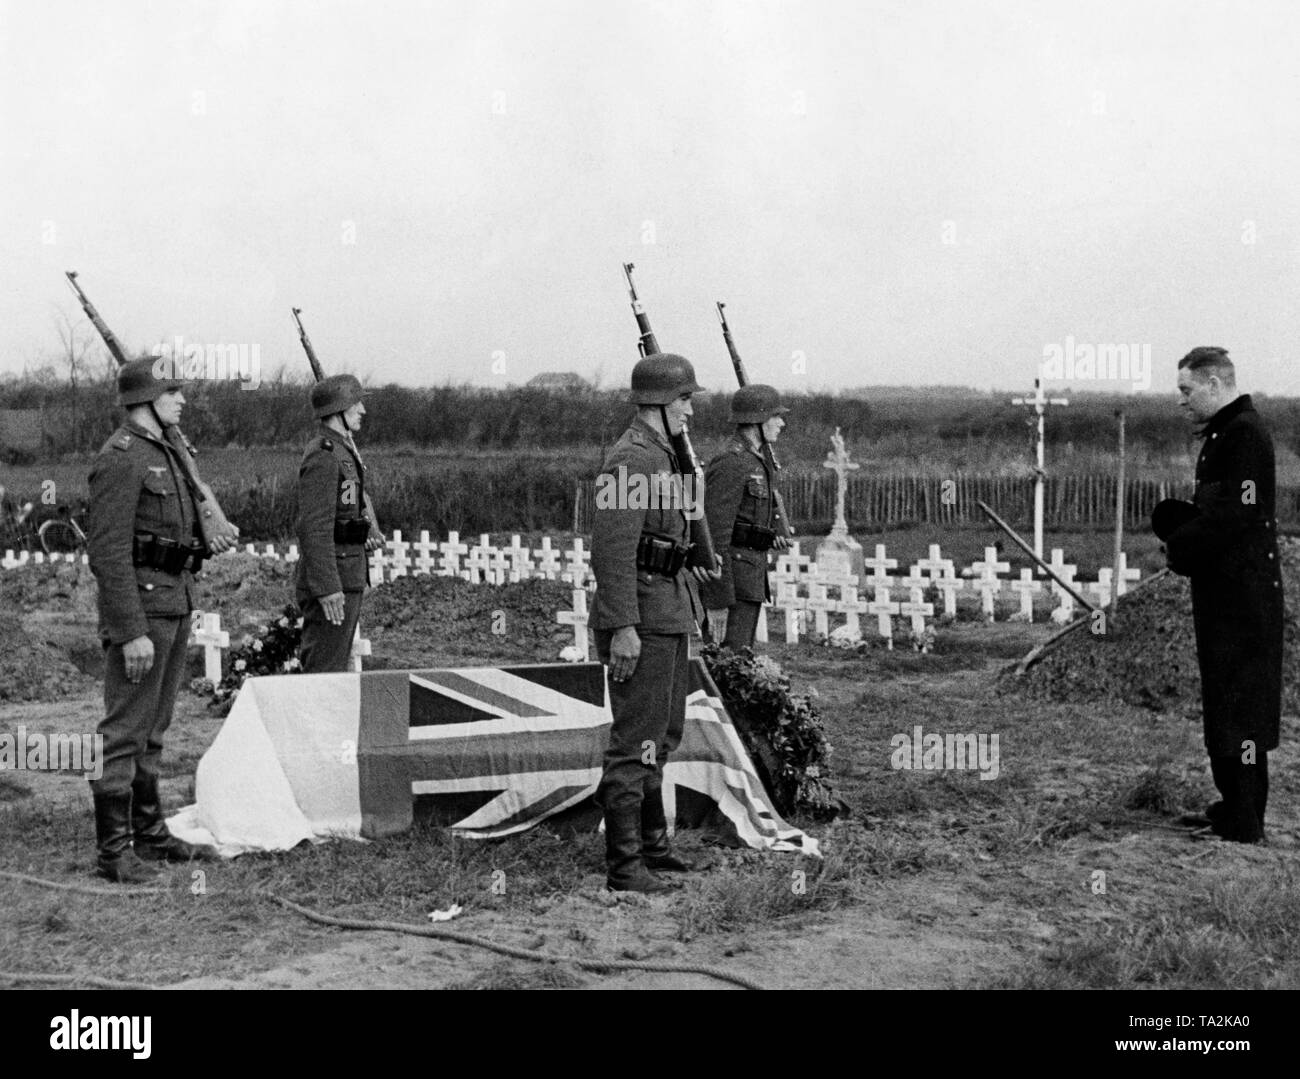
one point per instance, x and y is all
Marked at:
(1076, 785)
(1239, 933)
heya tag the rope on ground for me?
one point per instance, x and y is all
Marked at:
(518, 953)
(82, 889)
(17, 976)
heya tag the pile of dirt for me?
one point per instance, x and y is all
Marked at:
(51, 586)
(1147, 656)
(430, 621)
(31, 669)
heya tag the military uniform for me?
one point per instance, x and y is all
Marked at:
(740, 504)
(144, 545)
(138, 488)
(332, 527)
(639, 548)
(1228, 547)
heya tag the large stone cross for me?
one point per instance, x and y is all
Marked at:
(838, 461)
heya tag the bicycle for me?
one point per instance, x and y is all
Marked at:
(62, 534)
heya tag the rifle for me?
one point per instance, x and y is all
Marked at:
(768, 452)
(702, 552)
(319, 372)
(213, 523)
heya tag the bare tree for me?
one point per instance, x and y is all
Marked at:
(74, 356)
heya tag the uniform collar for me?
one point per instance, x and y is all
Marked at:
(326, 431)
(141, 431)
(1230, 411)
(658, 439)
(740, 442)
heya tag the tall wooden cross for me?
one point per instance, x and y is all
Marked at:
(1039, 403)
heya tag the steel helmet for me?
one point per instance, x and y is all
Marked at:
(337, 393)
(141, 381)
(660, 378)
(756, 403)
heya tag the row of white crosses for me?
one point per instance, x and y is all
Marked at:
(795, 571)
(484, 563)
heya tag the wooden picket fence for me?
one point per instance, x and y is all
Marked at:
(1086, 500)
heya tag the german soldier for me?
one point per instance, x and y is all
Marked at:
(1226, 542)
(744, 519)
(644, 612)
(144, 545)
(335, 527)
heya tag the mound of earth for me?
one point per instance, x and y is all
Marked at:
(1147, 656)
(31, 669)
(429, 621)
(51, 586)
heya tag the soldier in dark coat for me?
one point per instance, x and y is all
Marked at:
(336, 527)
(144, 545)
(644, 612)
(1227, 545)
(740, 501)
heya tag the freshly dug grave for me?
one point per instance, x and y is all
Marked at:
(429, 621)
(31, 669)
(1147, 656)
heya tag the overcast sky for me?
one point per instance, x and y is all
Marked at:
(882, 192)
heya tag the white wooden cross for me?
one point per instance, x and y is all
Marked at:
(880, 567)
(1064, 610)
(936, 565)
(988, 584)
(250, 549)
(851, 606)
(360, 647)
(760, 627)
(499, 565)
(794, 606)
(948, 587)
(884, 609)
(1102, 586)
(9, 561)
(207, 631)
(1028, 589)
(292, 556)
(821, 604)
(917, 610)
(795, 566)
(451, 550)
(521, 560)
(577, 564)
(426, 561)
(476, 565)
(270, 551)
(401, 560)
(548, 560)
(377, 564)
(1123, 574)
(577, 618)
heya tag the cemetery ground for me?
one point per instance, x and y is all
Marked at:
(1067, 870)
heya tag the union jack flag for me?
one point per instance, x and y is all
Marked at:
(495, 749)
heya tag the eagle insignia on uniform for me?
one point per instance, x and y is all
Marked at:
(157, 470)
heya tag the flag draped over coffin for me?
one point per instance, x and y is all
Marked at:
(497, 748)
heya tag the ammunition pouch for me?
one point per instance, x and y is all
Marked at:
(753, 537)
(352, 531)
(165, 554)
(654, 554)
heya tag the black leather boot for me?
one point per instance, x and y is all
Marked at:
(117, 861)
(153, 842)
(625, 871)
(656, 850)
